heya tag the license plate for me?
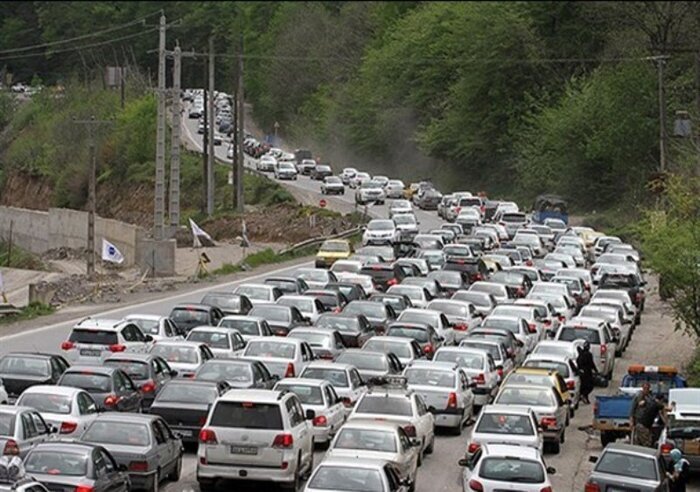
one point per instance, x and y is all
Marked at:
(183, 433)
(249, 450)
(90, 353)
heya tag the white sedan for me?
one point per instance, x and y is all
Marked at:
(69, 410)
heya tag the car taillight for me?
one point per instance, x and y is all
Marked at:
(117, 347)
(428, 349)
(548, 322)
(285, 441)
(639, 296)
(111, 400)
(11, 448)
(452, 400)
(570, 385)
(392, 281)
(473, 448)
(337, 310)
(499, 370)
(666, 448)
(320, 421)
(347, 402)
(281, 333)
(326, 356)
(84, 488)
(476, 486)
(603, 349)
(410, 430)
(529, 263)
(289, 373)
(478, 276)
(591, 487)
(68, 427)
(189, 375)
(207, 436)
(479, 379)
(461, 327)
(547, 422)
(138, 466)
(520, 292)
(148, 387)
(532, 327)
(562, 318)
(587, 287)
(546, 489)
(67, 345)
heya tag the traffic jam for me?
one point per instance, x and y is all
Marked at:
(498, 326)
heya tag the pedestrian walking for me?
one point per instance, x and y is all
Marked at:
(587, 369)
(680, 471)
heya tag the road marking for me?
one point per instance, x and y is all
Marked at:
(152, 302)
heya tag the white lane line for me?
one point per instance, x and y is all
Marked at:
(150, 303)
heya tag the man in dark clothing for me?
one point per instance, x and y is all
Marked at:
(645, 408)
(586, 368)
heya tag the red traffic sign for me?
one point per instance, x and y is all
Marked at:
(322, 203)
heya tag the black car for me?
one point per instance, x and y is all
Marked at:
(320, 172)
(282, 319)
(475, 268)
(148, 371)
(188, 316)
(352, 292)
(228, 303)
(110, 387)
(384, 275)
(332, 300)
(301, 154)
(355, 330)
(397, 301)
(21, 370)
(184, 405)
(628, 282)
(378, 313)
(238, 373)
(477, 244)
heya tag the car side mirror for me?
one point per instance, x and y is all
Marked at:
(464, 462)
(53, 429)
(551, 470)
(593, 459)
(149, 338)
(310, 415)
(415, 442)
(472, 385)
(122, 468)
(275, 377)
(173, 373)
(407, 482)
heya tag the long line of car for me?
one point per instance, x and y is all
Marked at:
(369, 353)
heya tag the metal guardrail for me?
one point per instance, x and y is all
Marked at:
(318, 240)
(8, 309)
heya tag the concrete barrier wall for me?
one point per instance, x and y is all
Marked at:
(39, 231)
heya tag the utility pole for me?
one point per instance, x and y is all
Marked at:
(92, 184)
(205, 142)
(210, 132)
(174, 208)
(240, 122)
(159, 205)
(122, 90)
(661, 61)
(234, 144)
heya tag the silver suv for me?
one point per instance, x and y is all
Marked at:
(93, 340)
(258, 435)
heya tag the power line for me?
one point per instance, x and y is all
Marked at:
(78, 38)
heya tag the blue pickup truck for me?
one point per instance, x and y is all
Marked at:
(611, 413)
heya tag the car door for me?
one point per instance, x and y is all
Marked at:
(87, 410)
(300, 427)
(336, 409)
(30, 435)
(56, 370)
(106, 474)
(237, 344)
(409, 454)
(425, 427)
(173, 446)
(160, 452)
(42, 429)
(303, 357)
(134, 339)
(132, 395)
(357, 388)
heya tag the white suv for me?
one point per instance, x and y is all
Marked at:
(92, 340)
(258, 435)
(380, 231)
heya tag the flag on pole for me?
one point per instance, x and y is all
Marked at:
(198, 234)
(111, 253)
(244, 234)
(2, 289)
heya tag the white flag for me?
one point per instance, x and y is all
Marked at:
(198, 231)
(111, 253)
(244, 233)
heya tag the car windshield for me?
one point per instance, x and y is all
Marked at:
(335, 247)
(211, 338)
(333, 180)
(369, 309)
(263, 348)
(405, 219)
(28, 366)
(380, 225)
(367, 361)
(338, 378)
(272, 313)
(45, 402)
(340, 323)
(430, 377)
(231, 302)
(184, 315)
(305, 305)
(230, 370)
(187, 393)
(347, 479)
(286, 165)
(525, 396)
(308, 395)
(569, 334)
(511, 470)
(176, 353)
(397, 348)
(366, 440)
(463, 359)
(244, 326)
(88, 380)
(247, 415)
(253, 292)
(420, 317)
(7, 424)
(119, 433)
(53, 463)
(627, 465)
(148, 326)
(389, 405)
(495, 423)
(420, 335)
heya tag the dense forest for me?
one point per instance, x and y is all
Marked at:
(515, 98)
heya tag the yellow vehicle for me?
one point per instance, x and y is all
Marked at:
(332, 250)
(411, 190)
(541, 377)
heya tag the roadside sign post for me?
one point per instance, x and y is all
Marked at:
(322, 203)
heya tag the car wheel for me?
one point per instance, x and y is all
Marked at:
(177, 471)
(155, 486)
(555, 447)
(431, 446)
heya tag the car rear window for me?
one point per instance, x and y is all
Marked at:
(353, 479)
(366, 439)
(511, 470)
(378, 273)
(336, 377)
(246, 415)
(244, 326)
(627, 465)
(569, 334)
(498, 423)
(490, 348)
(232, 302)
(367, 361)
(560, 367)
(418, 334)
(430, 377)
(176, 353)
(95, 337)
(7, 424)
(119, 433)
(29, 366)
(52, 463)
(463, 359)
(89, 381)
(135, 369)
(230, 370)
(386, 347)
(308, 395)
(45, 402)
(526, 396)
(187, 393)
(262, 348)
(388, 405)
(211, 338)
(341, 323)
(189, 315)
